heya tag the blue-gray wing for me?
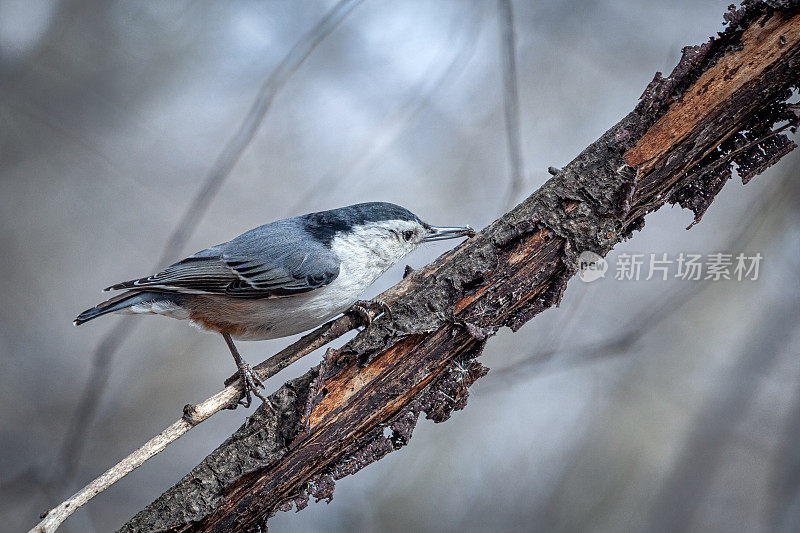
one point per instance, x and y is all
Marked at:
(270, 261)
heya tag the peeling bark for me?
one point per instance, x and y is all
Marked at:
(717, 108)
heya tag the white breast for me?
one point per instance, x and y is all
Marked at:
(360, 267)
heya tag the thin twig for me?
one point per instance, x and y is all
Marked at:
(194, 415)
(511, 101)
(87, 407)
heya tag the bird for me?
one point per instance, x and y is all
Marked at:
(282, 278)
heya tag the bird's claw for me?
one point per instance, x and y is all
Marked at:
(250, 384)
(369, 310)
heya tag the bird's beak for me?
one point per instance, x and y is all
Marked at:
(440, 234)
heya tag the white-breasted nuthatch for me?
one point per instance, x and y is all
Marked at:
(279, 279)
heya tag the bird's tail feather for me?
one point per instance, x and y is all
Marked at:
(112, 305)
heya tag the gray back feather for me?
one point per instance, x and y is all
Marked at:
(277, 259)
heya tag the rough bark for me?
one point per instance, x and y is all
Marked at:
(718, 107)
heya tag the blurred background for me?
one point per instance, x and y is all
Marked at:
(634, 406)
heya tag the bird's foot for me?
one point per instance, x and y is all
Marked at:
(250, 384)
(369, 310)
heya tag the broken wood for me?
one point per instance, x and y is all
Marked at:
(676, 146)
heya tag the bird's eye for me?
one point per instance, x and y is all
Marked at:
(408, 234)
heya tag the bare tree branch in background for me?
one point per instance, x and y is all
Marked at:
(74, 441)
(343, 415)
(398, 120)
(255, 116)
(511, 101)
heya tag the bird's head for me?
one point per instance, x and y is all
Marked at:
(385, 230)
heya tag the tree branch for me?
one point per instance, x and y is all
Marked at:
(508, 57)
